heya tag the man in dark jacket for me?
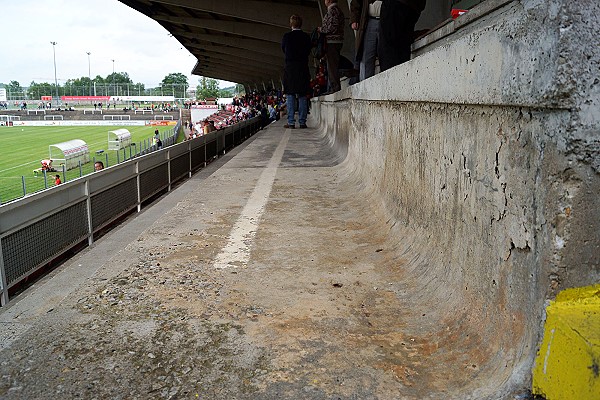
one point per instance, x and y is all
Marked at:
(296, 46)
(397, 24)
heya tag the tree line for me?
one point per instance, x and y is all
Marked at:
(120, 84)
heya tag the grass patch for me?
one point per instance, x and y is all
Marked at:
(22, 149)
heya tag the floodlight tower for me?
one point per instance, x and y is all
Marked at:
(114, 75)
(89, 71)
(55, 80)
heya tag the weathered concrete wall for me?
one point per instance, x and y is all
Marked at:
(486, 147)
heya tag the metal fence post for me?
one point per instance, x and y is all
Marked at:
(45, 179)
(64, 171)
(106, 160)
(88, 206)
(4, 287)
(138, 184)
(189, 148)
(169, 169)
(80, 169)
(24, 188)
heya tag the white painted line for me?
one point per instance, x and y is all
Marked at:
(19, 166)
(236, 252)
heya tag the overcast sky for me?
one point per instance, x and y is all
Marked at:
(107, 29)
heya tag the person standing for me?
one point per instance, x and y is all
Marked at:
(333, 28)
(296, 47)
(397, 24)
(364, 19)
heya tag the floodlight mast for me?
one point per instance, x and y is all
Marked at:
(55, 80)
(113, 76)
(89, 71)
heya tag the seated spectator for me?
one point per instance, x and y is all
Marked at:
(98, 165)
(272, 113)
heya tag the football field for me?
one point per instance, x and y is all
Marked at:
(22, 149)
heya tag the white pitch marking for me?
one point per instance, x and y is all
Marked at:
(236, 252)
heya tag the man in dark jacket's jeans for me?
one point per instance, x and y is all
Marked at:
(296, 46)
(397, 24)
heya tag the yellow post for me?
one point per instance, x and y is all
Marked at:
(567, 365)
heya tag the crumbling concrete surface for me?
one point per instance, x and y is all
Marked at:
(318, 299)
(404, 250)
(486, 145)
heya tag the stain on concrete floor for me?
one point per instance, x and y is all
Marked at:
(324, 309)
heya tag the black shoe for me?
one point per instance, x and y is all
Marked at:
(303, 126)
(287, 126)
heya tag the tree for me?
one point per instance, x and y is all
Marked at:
(177, 83)
(207, 87)
(138, 89)
(79, 87)
(239, 89)
(118, 78)
(99, 80)
(14, 90)
(175, 79)
(37, 90)
(117, 84)
(226, 92)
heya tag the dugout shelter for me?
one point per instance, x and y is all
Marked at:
(69, 153)
(119, 139)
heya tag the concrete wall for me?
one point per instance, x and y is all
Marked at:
(485, 148)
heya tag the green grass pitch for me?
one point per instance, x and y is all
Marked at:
(22, 149)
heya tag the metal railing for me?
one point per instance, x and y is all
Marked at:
(116, 117)
(44, 226)
(10, 190)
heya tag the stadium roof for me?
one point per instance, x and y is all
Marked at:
(233, 40)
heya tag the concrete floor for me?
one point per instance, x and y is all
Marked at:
(270, 274)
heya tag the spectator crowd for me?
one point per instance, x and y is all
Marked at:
(265, 104)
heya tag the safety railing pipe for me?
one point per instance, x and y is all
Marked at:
(4, 288)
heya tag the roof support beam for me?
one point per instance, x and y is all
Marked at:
(237, 52)
(236, 61)
(264, 12)
(247, 69)
(228, 75)
(215, 66)
(258, 46)
(247, 29)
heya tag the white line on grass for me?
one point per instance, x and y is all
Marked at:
(18, 166)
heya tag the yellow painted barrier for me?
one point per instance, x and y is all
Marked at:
(567, 365)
